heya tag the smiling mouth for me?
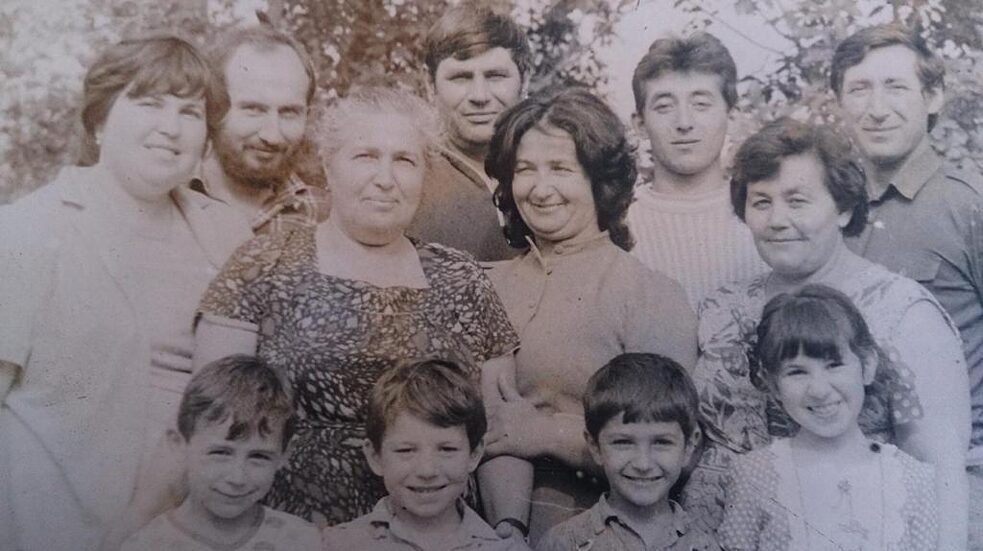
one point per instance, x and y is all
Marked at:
(825, 410)
(685, 142)
(426, 489)
(232, 497)
(481, 118)
(643, 479)
(166, 148)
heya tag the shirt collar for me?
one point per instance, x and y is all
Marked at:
(602, 515)
(385, 524)
(467, 167)
(916, 171)
(568, 248)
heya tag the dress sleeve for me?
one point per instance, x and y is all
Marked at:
(241, 291)
(743, 517)
(920, 509)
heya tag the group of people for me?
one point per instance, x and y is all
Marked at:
(490, 331)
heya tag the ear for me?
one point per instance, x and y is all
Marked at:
(935, 100)
(638, 122)
(175, 441)
(843, 218)
(869, 362)
(693, 443)
(476, 454)
(594, 448)
(372, 456)
(431, 86)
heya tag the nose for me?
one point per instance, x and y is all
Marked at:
(271, 131)
(778, 216)
(426, 466)
(169, 122)
(877, 104)
(684, 118)
(478, 93)
(818, 386)
(385, 177)
(643, 460)
(235, 473)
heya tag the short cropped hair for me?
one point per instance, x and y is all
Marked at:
(813, 321)
(853, 50)
(471, 29)
(760, 157)
(603, 151)
(263, 38)
(644, 388)
(157, 64)
(244, 389)
(437, 391)
(700, 52)
(329, 132)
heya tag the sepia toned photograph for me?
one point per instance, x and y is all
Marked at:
(499, 275)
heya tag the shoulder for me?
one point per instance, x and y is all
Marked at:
(447, 263)
(693, 537)
(349, 536)
(732, 306)
(157, 534)
(288, 530)
(569, 534)
(968, 182)
(911, 467)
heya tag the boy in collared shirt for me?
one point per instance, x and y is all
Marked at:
(641, 417)
(424, 427)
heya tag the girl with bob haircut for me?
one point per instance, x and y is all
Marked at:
(827, 485)
(577, 298)
(102, 270)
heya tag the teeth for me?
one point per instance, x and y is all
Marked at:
(825, 410)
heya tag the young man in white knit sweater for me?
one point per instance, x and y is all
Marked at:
(682, 219)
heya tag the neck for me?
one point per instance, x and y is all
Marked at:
(704, 181)
(647, 516)
(245, 198)
(849, 447)
(473, 152)
(884, 173)
(841, 266)
(432, 532)
(546, 245)
(202, 523)
(342, 242)
(154, 212)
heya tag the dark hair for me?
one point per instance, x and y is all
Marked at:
(853, 50)
(700, 52)
(263, 38)
(471, 29)
(643, 387)
(243, 388)
(158, 64)
(434, 390)
(760, 158)
(813, 321)
(602, 150)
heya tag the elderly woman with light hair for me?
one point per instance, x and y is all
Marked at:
(335, 306)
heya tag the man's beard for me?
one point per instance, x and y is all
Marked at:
(265, 176)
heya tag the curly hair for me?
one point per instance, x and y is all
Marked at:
(760, 158)
(602, 150)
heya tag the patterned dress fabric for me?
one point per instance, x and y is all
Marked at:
(742, 416)
(766, 510)
(333, 337)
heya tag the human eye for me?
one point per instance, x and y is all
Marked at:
(219, 452)
(857, 88)
(150, 101)
(523, 168)
(193, 111)
(448, 449)
(253, 108)
(460, 76)
(261, 456)
(760, 203)
(797, 201)
(662, 107)
(293, 112)
(407, 159)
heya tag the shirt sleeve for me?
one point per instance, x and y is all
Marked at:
(241, 291)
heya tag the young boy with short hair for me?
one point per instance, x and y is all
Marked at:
(234, 423)
(641, 417)
(424, 427)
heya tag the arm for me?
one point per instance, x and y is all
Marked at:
(929, 347)
(8, 374)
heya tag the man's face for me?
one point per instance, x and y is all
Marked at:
(685, 117)
(886, 106)
(472, 93)
(263, 130)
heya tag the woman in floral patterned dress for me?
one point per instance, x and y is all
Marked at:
(336, 305)
(799, 191)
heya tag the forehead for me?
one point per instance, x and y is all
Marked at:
(642, 428)
(217, 434)
(495, 59)
(276, 73)
(380, 130)
(803, 172)
(408, 428)
(681, 84)
(895, 62)
(546, 142)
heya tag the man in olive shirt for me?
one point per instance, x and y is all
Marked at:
(925, 217)
(478, 63)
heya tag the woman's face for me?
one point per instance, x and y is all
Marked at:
(376, 177)
(793, 217)
(551, 190)
(151, 144)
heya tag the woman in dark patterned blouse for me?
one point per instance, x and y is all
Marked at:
(336, 305)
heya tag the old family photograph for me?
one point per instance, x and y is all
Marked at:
(491, 275)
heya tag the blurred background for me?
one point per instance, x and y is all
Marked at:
(782, 49)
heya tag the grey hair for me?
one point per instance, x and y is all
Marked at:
(328, 133)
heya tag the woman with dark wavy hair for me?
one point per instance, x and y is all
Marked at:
(576, 297)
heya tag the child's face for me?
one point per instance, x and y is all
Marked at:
(824, 397)
(227, 477)
(641, 460)
(425, 467)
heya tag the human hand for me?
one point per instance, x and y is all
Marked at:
(515, 426)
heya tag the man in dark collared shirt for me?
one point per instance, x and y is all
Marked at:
(478, 63)
(926, 218)
(270, 83)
